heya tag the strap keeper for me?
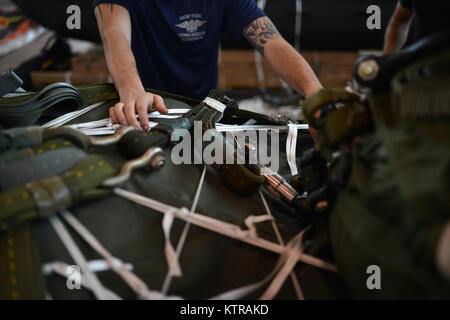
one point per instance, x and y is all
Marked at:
(215, 104)
(50, 194)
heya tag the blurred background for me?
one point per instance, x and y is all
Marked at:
(331, 35)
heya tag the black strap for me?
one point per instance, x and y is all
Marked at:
(9, 82)
(42, 166)
(57, 96)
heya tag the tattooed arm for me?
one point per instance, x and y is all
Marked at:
(284, 59)
(115, 29)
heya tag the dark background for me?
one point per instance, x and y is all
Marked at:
(326, 25)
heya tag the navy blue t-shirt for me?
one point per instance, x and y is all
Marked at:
(176, 42)
(431, 16)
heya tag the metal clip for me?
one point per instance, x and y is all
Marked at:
(153, 157)
(115, 138)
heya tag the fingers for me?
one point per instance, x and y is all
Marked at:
(112, 115)
(125, 112)
(142, 107)
(130, 114)
(158, 104)
(119, 115)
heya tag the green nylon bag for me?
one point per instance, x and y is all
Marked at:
(211, 263)
(395, 206)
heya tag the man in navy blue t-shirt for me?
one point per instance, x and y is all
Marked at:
(426, 17)
(173, 45)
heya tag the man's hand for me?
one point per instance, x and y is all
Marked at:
(133, 102)
(115, 29)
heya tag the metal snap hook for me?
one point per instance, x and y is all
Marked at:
(154, 157)
(115, 138)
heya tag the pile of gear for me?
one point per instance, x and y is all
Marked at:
(374, 190)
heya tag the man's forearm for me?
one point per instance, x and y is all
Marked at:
(115, 29)
(396, 36)
(121, 62)
(398, 28)
(291, 67)
(283, 58)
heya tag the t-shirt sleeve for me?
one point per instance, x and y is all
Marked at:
(127, 4)
(406, 4)
(239, 14)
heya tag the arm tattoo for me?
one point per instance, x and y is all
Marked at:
(259, 32)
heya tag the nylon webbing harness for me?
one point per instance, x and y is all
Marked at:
(87, 187)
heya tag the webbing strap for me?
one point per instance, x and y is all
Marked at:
(18, 138)
(97, 288)
(63, 269)
(20, 265)
(291, 148)
(83, 181)
(173, 263)
(41, 166)
(287, 261)
(215, 104)
(70, 116)
(221, 227)
(294, 279)
(19, 111)
(135, 283)
(50, 195)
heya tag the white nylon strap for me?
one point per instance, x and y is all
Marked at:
(98, 265)
(287, 256)
(250, 222)
(298, 289)
(293, 253)
(55, 123)
(221, 227)
(99, 131)
(135, 283)
(171, 256)
(60, 268)
(96, 287)
(174, 111)
(169, 275)
(291, 148)
(213, 103)
(235, 128)
(91, 124)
